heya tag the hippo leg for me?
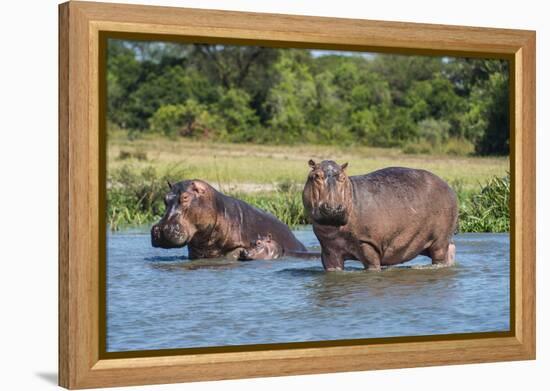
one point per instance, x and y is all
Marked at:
(451, 252)
(443, 253)
(370, 257)
(331, 261)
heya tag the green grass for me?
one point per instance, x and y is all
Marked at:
(285, 202)
(451, 147)
(135, 196)
(272, 177)
(487, 210)
(229, 166)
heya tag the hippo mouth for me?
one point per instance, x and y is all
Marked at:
(330, 216)
(246, 255)
(168, 236)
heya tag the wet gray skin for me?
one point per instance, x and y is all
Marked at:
(383, 218)
(214, 225)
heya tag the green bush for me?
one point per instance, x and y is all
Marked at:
(458, 147)
(418, 148)
(433, 131)
(239, 119)
(190, 119)
(285, 203)
(453, 147)
(135, 196)
(488, 210)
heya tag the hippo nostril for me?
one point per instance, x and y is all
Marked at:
(328, 208)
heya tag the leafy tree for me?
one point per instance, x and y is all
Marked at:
(290, 100)
(404, 127)
(123, 76)
(190, 119)
(240, 119)
(251, 93)
(433, 131)
(401, 71)
(230, 65)
(174, 85)
(488, 118)
(437, 99)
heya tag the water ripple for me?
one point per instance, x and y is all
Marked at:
(160, 299)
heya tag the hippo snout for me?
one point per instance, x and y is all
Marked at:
(156, 236)
(333, 214)
(168, 236)
(245, 255)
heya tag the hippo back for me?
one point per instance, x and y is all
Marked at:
(404, 196)
(253, 221)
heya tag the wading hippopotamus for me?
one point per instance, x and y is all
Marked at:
(214, 225)
(263, 248)
(383, 218)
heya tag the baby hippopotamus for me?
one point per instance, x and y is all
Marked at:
(263, 248)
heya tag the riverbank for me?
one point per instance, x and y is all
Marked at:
(271, 177)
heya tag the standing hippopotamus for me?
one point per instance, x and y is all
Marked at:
(383, 218)
(214, 225)
(265, 247)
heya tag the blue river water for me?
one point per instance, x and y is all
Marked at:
(158, 299)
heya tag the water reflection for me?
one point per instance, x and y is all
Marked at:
(215, 263)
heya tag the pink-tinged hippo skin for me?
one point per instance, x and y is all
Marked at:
(383, 218)
(214, 225)
(265, 247)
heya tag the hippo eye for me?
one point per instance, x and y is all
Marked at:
(258, 243)
(341, 177)
(317, 176)
(184, 197)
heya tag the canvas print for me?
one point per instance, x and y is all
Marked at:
(261, 195)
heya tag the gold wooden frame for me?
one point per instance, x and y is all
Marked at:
(81, 173)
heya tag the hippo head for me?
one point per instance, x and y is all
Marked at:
(263, 248)
(327, 193)
(190, 212)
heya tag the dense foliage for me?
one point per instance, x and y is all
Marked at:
(488, 210)
(245, 93)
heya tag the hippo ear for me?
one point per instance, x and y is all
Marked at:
(344, 166)
(169, 184)
(312, 163)
(269, 237)
(198, 187)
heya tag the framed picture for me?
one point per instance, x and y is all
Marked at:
(247, 195)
